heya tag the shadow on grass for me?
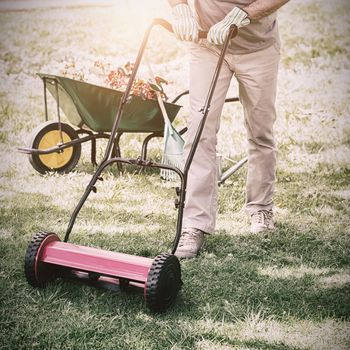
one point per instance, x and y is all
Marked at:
(251, 344)
(228, 276)
(225, 282)
(114, 229)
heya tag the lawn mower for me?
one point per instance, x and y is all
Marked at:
(48, 257)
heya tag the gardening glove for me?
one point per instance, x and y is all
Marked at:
(184, 25)
(218, 32)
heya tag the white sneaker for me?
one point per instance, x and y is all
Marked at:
(190, 243)
(261, 221)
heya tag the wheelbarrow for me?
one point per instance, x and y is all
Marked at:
(48, 257)
(90, 110)
(55, 146)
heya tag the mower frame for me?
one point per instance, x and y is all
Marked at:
(48, 257)
(108, 159)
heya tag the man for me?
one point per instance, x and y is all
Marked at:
(253, 58)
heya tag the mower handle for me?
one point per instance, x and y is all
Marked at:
(107, 160)
(167, 25)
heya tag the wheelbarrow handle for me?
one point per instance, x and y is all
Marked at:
(167, 25)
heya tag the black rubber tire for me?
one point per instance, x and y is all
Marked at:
(34, 140)
(93, 276)
(163, 283)
(47, 273)
(123, 283)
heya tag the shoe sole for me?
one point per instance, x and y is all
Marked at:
(263, 230)
(192, 256)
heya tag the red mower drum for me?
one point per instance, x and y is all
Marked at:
(160, 278)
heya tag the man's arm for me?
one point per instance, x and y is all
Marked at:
(261, 8)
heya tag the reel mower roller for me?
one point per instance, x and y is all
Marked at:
(48, 258)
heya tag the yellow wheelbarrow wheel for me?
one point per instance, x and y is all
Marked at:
(47, 135)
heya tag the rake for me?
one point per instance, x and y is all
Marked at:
(173, 142)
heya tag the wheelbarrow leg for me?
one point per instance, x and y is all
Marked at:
(93, 144)
(93, 152)
(116, 150)
(145, 142)
(147, 139)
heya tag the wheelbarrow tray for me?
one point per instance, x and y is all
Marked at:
(95, 107)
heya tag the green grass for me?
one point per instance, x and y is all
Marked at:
(224, 285)
(281, 291)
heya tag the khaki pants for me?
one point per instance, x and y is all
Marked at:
(256, 74)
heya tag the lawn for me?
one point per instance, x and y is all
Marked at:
(285, 290)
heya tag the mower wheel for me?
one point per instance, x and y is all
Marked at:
(37, 273)
(163, 282)
(47, 135)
